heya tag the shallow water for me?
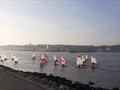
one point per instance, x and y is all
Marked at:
(107, 73)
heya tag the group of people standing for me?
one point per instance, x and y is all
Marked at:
(43, 58)
(84, 60)
(62, 61)
(80, 61)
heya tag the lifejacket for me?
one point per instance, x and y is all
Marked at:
(93, 60)
(42, 58)
(62, 61)
(33, 55)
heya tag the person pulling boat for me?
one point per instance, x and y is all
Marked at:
(46, 58)
(55, 60)
(33, 56)
(43, 59)
(93, 62)
(79, 61)
(63, 62)
(83, 60)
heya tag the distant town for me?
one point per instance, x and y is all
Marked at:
(61, 48)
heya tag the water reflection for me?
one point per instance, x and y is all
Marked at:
(42, 66)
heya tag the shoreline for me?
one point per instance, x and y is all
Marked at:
(51, 82)
(67, 51)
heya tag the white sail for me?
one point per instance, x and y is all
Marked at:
(16, 60)
(83, 58)
(47, 47)
(79, 61)
(33, 55)
(93, 60)
(86, 56)
(55, 58)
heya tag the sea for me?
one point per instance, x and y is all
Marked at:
(106, 74)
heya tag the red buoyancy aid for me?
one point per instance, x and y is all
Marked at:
(62, 61)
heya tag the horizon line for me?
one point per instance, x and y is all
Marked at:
(59, 44)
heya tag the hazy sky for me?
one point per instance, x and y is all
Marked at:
(81, 22)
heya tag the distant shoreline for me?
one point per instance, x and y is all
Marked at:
(65, 51)
(61, 48)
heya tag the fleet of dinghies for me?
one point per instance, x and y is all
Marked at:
(4, 58)
(81, 60)
(85, 61)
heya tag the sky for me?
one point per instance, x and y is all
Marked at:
(74, 22)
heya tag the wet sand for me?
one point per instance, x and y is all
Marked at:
(18, 80)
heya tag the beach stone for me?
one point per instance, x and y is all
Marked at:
(63, 87)
(91, 83)
(51, 83)
(115, 88)
(44, 81)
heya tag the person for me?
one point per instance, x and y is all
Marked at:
(46, 58)
(83, 60)
(93, 62)
(42, 59)
(55, 60)
(79, 61)
(33, 56)
(63, 62)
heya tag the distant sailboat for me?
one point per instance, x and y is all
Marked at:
(47, 47)
(16, 60)
(13, 57)
(33, 56)
(1, 59)
(5, 57)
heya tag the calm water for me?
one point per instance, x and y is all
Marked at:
(106, 75)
